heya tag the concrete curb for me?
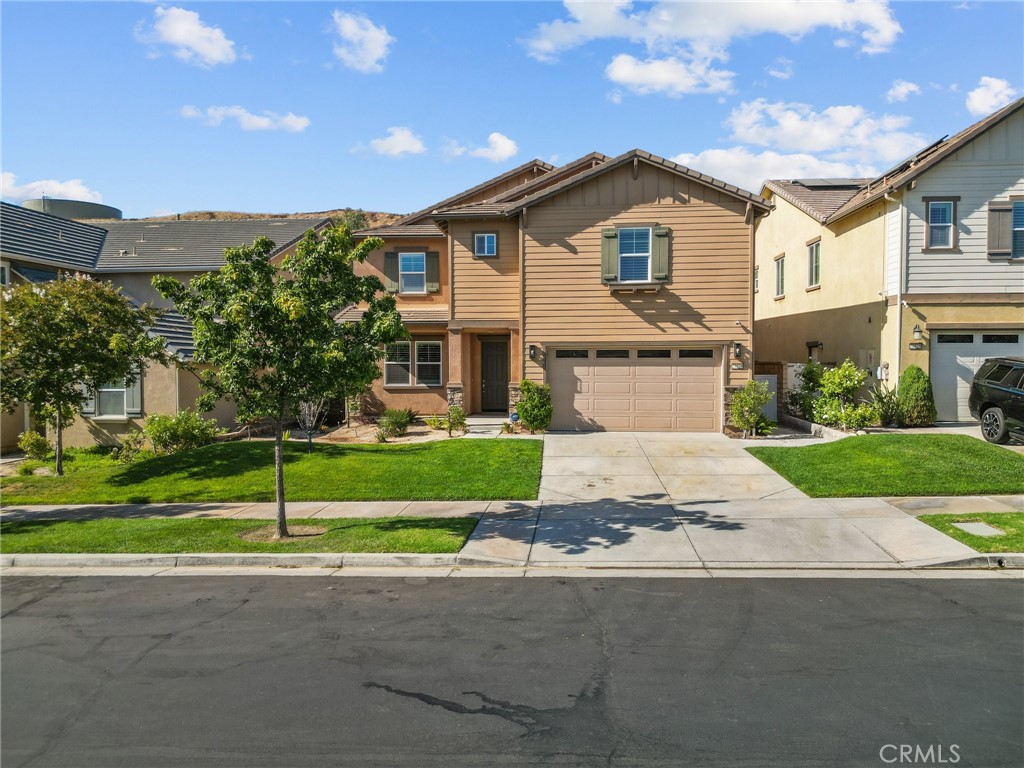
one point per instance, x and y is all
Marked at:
(1008, 560)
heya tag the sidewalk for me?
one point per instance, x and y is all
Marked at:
(804, 534)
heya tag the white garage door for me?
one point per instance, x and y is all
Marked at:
(625, 389)
(956, 356)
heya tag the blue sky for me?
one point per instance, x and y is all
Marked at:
(281, 107)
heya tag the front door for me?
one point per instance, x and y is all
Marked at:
(494, 375)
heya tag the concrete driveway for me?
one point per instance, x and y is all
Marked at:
(651, 466)
(692, 500)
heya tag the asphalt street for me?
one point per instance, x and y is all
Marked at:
(316, 671)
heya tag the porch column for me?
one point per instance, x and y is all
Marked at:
(455, 389)
(515, 368)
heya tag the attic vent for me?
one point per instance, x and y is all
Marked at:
(275, 224)
(60, 234)
(152, 226)
(171, 248)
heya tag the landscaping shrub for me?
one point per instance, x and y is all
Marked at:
(534, 406)
(456, 419)
(887, 404)
(801, 400)
(436, 422)
(746, 405)
(837, 405)
(387, 427)
(401, 418)
(130, 447)
(34, 445)
(181, 432)
(916, 402)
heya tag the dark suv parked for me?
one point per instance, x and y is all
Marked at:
(997, 398)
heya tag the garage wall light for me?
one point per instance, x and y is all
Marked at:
(737, 350)
(918, 333)
(533, 351)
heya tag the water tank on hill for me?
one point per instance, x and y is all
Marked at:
(72, 209)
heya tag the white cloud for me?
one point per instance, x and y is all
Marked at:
(683, 41)
(747, 169)
(451, 148)
(72, 189)
(248, 121)
(990, 95)
(191, 40)
(499, 147)
(781, 68)
(399, 141)
(850, 133)
(670, 76)
(900, 90)
(362, 45)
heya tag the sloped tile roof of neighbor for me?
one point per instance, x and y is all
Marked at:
(177, 332)
(147, 246)
(921, 161)
(42, 238)
(409, 316)
(818, 198)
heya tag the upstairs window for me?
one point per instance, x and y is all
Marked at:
(412, 273)
(485, 245)
(941, 224)
(757, 271)
(635, 255)
(780, 277)
(814, 265)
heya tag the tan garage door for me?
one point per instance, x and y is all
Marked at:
(627, 389)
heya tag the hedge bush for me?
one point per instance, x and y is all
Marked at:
(916, 401)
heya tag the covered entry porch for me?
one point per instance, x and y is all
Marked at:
(484, 367)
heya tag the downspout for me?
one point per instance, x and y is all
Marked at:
(899, 286)
(522, 296)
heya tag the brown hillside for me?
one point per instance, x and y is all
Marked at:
(375, 218)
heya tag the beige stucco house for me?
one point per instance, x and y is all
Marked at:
(624, 283)
(36, 247)
(922, 265)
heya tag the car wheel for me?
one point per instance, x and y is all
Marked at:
(993, 425)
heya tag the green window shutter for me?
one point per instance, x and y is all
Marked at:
(89, 408)
(659, 254)
(1000, 229)
(609, 255)
(391, 272)
(433, 272)
(133, 399)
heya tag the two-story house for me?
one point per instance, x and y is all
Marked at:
(922, 265)
(36, 247)
(624, 283)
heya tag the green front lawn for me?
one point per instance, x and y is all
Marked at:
(898, 465)
(1010, 522)
(244, 471)
(390, 534)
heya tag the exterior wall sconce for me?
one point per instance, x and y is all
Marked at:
(533, 351)
(737, 350)
(918, 333)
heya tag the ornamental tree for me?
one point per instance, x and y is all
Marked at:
(63, 338)
(270, 333)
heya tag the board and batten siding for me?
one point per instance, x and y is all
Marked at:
(485, 288)
(986, 169)
(710, 280)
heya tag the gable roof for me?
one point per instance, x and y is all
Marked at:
(589, 160)
(145, 245)
(634, 155)
(818, 198)
(915, 165)
(42, 238)
(176, 332)
(535, 165)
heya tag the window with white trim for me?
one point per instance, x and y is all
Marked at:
(5, 275)
(412, 273)
(780, 276)
(1017, 236)
(814, 264)
(110, 399)
(634, 255)
(485, 244)
(428, 363)
(757, 274)
(940, 224)
(398, 364)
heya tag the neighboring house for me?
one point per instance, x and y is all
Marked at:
(923, 265)
(35, 247)
(624, 283)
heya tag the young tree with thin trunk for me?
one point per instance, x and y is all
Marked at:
(62, 339)
(270, 334)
